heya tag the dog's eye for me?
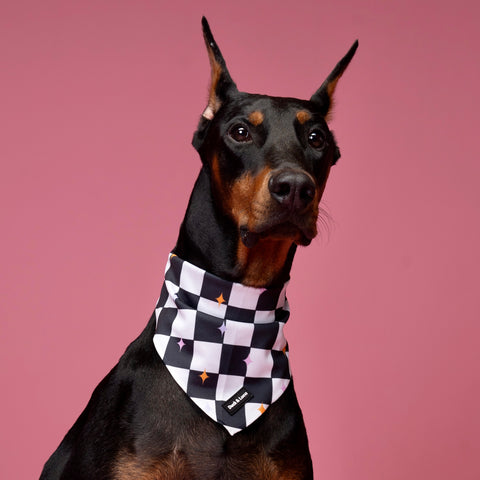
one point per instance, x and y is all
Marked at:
(316, 138)
(240, 134)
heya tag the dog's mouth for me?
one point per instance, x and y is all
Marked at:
(288, 230)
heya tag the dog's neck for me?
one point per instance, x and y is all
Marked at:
(209, 239)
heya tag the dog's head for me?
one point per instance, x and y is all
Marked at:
(268, 157)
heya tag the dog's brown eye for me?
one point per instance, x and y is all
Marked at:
(316, 139)
(240, 133)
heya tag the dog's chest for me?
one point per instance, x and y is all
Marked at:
(183, 444)
(182, 465)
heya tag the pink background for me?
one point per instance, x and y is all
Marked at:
(98, 102)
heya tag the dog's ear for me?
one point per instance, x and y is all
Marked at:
(221, 84)
(323, 97)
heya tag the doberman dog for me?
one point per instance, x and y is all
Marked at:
(265, 163)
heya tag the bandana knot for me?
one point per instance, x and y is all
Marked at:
(223, 342)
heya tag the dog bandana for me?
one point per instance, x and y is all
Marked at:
(223, 343)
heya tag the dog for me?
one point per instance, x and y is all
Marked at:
(205, 391)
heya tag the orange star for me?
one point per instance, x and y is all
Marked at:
(220, 299)
(284, 350)
(204, 376)
(261, 409)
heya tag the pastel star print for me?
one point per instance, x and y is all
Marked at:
(222, 328)
(248, 360)
(248, 371)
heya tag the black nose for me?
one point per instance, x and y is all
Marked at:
(293, 189)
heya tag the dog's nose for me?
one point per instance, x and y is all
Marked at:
(293, 189)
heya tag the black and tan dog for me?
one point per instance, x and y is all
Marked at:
(265, 163)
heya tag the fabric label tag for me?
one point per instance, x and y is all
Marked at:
(237, 401)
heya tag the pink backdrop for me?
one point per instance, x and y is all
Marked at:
(98, 104)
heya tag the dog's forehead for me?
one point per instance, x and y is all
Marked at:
(262, 108)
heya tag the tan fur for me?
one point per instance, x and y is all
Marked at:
(303, 116)
(172, 467)
(330, 91)
(256, 118)
(249, 198)
(175, 466)
(261, 263)
(213, 101)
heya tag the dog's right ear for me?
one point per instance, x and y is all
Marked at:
(221, 84)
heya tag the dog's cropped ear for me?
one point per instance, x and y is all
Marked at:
(323, 97)
(221, 84)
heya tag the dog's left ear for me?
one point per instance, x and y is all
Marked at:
(221, 84)
(323, 97)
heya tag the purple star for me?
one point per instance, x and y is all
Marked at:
(284, 386)
(222, 328)
(181, 343)
(248, 360)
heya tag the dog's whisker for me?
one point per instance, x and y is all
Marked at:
(325, 222)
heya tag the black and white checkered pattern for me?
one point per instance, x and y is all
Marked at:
(217, 337)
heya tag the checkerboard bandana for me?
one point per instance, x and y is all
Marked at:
(223, 343)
